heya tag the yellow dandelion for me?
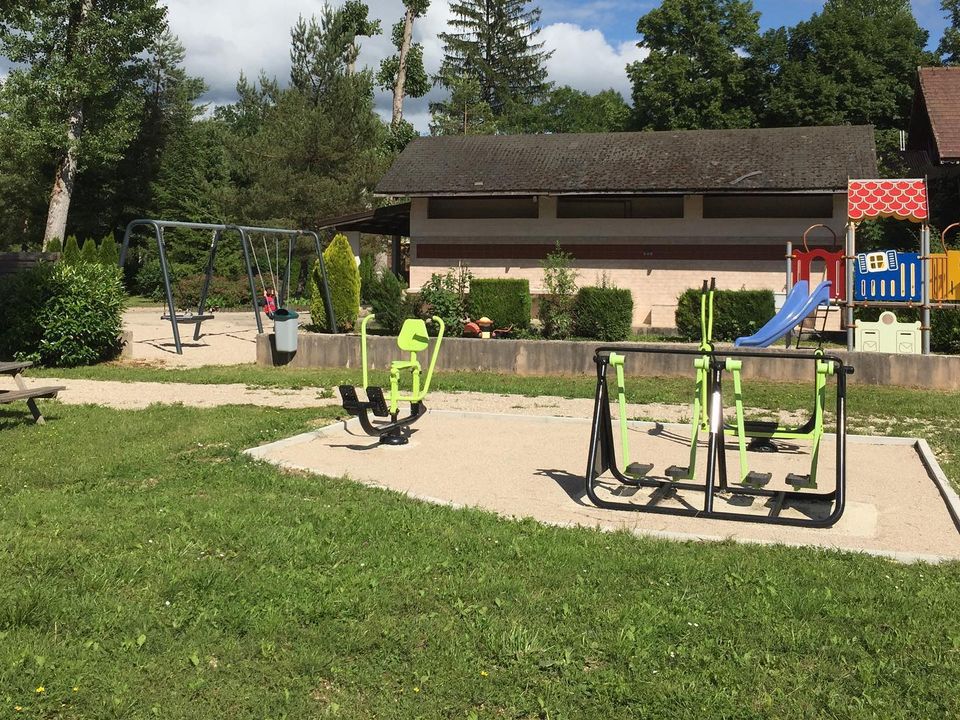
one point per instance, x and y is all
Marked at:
(17, 708)
(416, 689)
(76, 689)
(483, 673)
(40, 690)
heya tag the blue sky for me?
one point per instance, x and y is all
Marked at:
(617, 18)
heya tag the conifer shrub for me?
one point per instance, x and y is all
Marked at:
(344, 280)
(71, 251)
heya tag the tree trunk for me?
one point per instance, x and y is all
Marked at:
(64, 182)
(401, 81)
(66, 175)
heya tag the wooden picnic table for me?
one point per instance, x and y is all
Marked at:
(26, 393)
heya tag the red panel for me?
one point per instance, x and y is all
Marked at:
(835, 270)
(900, 199)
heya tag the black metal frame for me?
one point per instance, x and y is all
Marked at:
(602, 453)
(394, 432)
(218, 230)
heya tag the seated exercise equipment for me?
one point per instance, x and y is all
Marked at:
(413, 339)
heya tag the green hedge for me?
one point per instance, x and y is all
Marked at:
(506, 302)
(223, 292)
(61, 315)
(736, 313)
(603, 313)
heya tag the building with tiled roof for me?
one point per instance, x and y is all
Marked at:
(935, 121)
(655, 212)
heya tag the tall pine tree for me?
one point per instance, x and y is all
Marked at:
(495, 43)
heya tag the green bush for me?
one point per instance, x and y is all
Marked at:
(344, 279)
(109, 251)
(445, 296)
(368, 277)
(506, 302)
(223, 292)
(390, 303)
(556, 304)
(71, 251)
(55, 245)
(603, 313)
(736, 313)
(89, 252)
(61, 315)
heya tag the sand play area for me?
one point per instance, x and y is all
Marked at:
(898, 502)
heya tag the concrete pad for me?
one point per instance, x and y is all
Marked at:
(523, 466)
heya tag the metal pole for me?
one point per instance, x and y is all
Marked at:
(850, 259)
(927, 267)
(244, 240)
(206, 280)
(714, 444)
(331, 316)
(171, 307)
(282, 302)
(789, 279)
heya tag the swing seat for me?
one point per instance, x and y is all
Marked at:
(188, 319)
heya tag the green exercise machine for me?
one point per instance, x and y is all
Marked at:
(413, 339)
(760, 433)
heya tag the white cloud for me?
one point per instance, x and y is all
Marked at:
(585, 60)
(224, 38)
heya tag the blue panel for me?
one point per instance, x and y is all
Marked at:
(902, 283)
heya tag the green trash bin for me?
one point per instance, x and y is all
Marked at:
(285, 330)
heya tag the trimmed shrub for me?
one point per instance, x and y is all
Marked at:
(390, 303)
(55, 245)
(603, 313)
(61, 315)
(344, 279)
(89, 252)
(71, 251)
(736, 313)
(109, 252)
(506, 302)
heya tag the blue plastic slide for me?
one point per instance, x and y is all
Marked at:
(797, 306)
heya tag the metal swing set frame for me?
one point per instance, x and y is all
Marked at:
(245, 233)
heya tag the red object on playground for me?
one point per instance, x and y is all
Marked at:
(835, 270)
(900, 199)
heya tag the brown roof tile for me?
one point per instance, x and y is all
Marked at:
(771, 160)
(941, 95)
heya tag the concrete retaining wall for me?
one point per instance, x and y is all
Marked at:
(542, 358)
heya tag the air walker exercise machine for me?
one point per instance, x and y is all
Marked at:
(707, 416)
(413, 338)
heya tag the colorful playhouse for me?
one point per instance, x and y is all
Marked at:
(889, 279)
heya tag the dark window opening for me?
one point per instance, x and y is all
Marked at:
(480, 208)
(648, 206)
(767, 206)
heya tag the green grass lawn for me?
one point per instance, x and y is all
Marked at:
(148, 569)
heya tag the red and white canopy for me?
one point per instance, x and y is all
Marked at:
(900, 199)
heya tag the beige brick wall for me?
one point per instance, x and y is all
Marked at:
(655, 284)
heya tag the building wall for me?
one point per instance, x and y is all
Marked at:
(656, 259)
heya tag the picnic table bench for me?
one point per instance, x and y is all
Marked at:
(23, 392)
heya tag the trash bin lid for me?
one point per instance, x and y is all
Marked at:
(284, 314)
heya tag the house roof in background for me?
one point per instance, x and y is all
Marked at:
(729, 161)
(940, 88)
